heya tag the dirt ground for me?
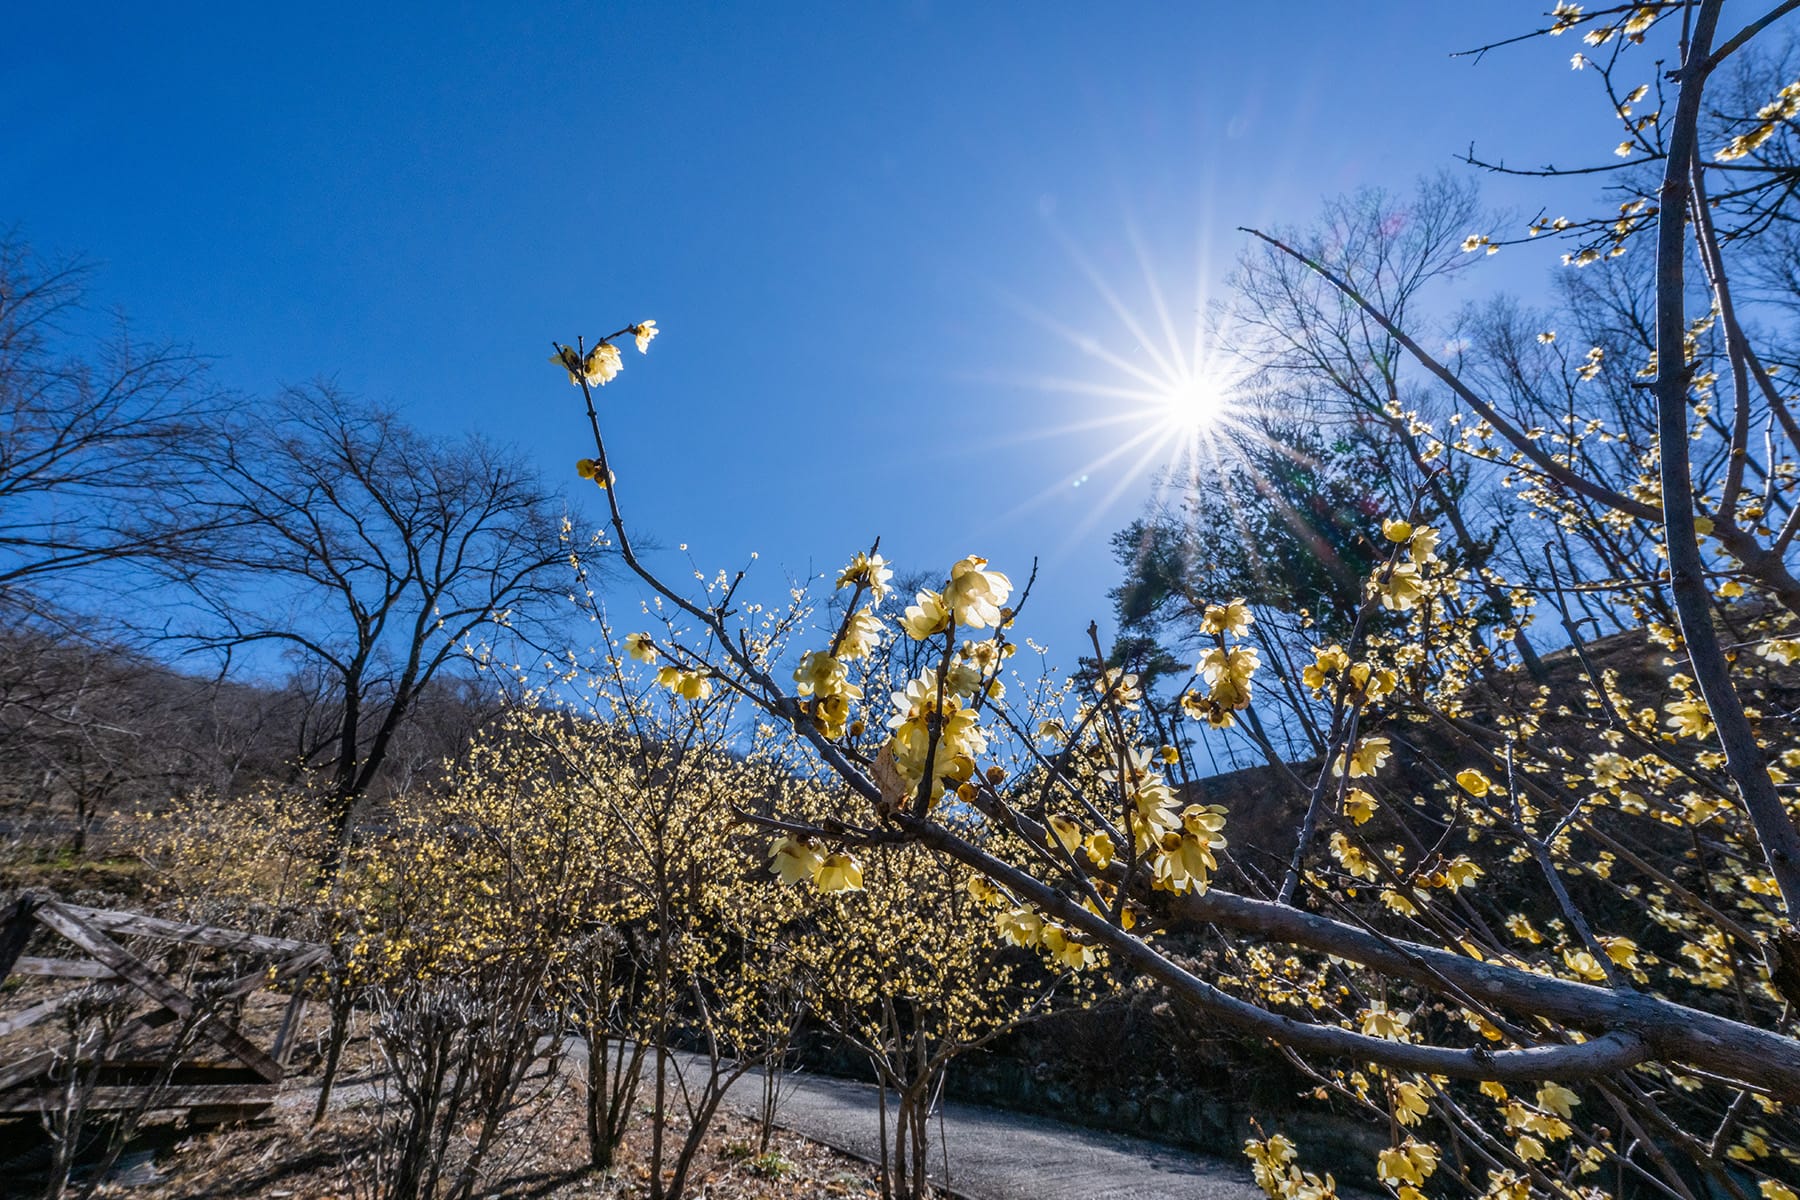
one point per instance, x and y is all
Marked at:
(286, 1159)
(282, 1156)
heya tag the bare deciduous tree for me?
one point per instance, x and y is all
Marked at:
(376, 559)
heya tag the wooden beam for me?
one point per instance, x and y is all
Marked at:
(141, 976)
(113, 921)
(285, 1037)
(115, 1099)
(62, 968)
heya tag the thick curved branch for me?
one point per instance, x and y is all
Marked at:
(1613, 1051)
(1687, 571)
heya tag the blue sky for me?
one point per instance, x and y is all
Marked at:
(871, 233)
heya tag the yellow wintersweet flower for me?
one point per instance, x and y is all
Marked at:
(1397, 532)
(639, 646)
(1228, 673)
(1100, 849)
(1689, 718)
(1457, 874)
(1063, 831)
(1409, 1103)
(1403, 588)
(1359, 806)
(1506, 1185)
(983, 890)
(928, 614)
(1366, 758)
(1422, 548)
(960, 737)
(862, 633)
(1772, 1190)
(822, 675)
(1204, 820)
(1120, 687)
(1269, 1161)
(1351, 858)
(566, 358)
(691, 685)
(963, 678)
(1522, 928)
(1184, 859)
(1609, 768)
(839, 873)
(794, 860)
(1185, 863)
(1326, 662)
(588, 468)
(1584, 965)
(1234, 618)
(1785, 651)
(1201, 708)
(975, 594)
(644, 331)
(601, 364)
(1371, 683)
(870, 569)
(1624, 953)
(1401, 903)
(1020, 926)
(1473, 782)
(1554, 1097)
(1564, 16)
(1410, 1162)
(1378, 1021)
(1062, 946)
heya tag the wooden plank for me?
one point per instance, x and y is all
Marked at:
(116, 1099)
(26, 1018)
(135, 972)
(174, 931)
(62, 968)
(285, 1037)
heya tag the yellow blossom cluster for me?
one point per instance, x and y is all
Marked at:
(796, 860)
(1401, 586)
(1226, 669)
(1272, 1166)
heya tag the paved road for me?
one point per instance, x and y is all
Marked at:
(999, 1155)
(994, 1154)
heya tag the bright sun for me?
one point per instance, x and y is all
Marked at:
(1191, 405)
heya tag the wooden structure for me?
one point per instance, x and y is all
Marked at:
(220, 1074)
